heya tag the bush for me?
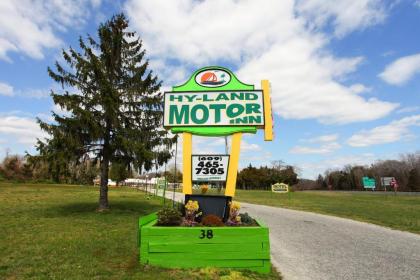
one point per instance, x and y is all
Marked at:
(246, 220)
(212, 221)
(169, 217)
(15, 168)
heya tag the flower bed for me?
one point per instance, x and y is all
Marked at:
(239, 247)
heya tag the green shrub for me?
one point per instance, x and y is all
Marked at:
(169, 217)
(212, 221)
(246, 220)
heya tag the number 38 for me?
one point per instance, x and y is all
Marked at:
(206, 233)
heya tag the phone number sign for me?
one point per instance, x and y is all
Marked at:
(207, 168)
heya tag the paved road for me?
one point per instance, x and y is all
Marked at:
(313, 246)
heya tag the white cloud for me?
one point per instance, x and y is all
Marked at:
(359, 88)
(96, 3)
(60, 111)
(250, 147)
(38, 93)
(255, 159)
(401, 70)
(345, 16)
(388, 53)
(323, 149)
(417, 3)
(303, 88)
(392, 132)
(311, 170)
(23, 130)
(408, 109)
(35, 93)
(29, 27)
(323, 138)
(6, 90)
(264, 40)
(327, 144)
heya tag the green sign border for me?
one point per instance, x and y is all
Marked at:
(234, 84)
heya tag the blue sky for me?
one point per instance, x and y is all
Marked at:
(344, 74)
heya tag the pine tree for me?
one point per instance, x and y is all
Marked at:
(118, 172)
(113, 101)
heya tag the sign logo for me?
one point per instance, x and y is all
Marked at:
(212, 78)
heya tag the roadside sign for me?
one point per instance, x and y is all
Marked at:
(280, 188)
(369, 183)
(386, 181)
(160, 183)
(209, 168)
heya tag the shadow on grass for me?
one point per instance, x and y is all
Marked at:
(139, 208)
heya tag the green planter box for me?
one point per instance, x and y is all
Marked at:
(194, 247)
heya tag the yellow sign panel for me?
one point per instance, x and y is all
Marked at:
(280, 188)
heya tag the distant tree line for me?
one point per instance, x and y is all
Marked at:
(36, 169)
(30, 168)
(261, 178)
(406, 171)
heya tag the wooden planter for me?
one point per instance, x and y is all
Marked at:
(194, 247)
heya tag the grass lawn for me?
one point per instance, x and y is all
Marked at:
(53, 232)
(399, 212)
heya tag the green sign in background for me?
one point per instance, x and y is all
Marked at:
(368, 183)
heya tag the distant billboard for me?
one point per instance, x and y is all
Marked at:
(280, 188)
(387, 181)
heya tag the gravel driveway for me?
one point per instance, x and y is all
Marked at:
(312, 246)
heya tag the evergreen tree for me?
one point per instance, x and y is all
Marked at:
(114, 104)
(118, 173)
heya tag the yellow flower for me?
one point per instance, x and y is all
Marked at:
(204, 188)
(238, 219)
(192, 205)
(235, 205)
